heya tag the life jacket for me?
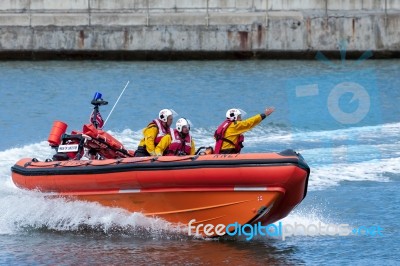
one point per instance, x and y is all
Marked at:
(219, 138)
(104, 144)
(178, 145)
(162, 131)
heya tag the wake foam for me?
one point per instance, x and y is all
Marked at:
(33, 211)
(375, 170)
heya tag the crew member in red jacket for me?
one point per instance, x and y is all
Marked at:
(178, 142)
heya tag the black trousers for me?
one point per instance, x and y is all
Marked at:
(141, 152)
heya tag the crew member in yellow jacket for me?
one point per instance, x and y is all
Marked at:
(229, 135)
(178, 142)
(154, 132)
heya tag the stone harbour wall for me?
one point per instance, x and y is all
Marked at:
(197, 29)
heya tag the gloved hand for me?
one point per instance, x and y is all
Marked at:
(269, 110)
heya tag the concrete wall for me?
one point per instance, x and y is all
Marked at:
(195, 5)
(137, 28)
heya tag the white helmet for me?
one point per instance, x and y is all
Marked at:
(164, 113)
(232, 114)
(181, 123)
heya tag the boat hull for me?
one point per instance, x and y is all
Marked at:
(210, 189)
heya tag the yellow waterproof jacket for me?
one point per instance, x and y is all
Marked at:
(150, 134)
(236, 128)
(166, 141)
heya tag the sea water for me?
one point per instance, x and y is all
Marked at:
(342, 116)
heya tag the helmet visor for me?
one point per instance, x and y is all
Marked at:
(243, 113)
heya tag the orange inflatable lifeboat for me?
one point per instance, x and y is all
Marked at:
(196, 190)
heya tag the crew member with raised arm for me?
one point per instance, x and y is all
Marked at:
(229, 135)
